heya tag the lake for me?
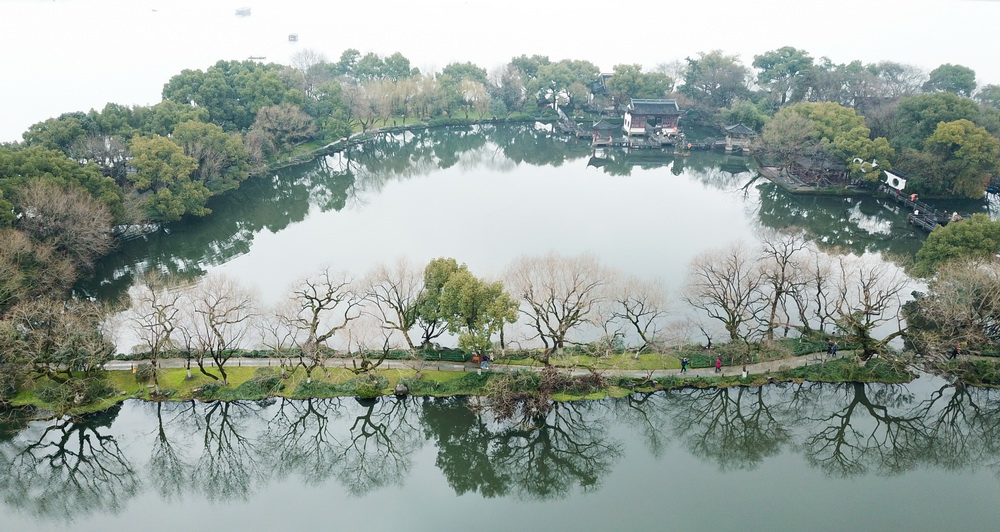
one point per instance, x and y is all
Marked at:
(921, 456)
(489, 194)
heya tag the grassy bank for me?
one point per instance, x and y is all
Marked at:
(255, 383)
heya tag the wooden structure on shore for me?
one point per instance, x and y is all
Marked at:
(739, 137)
(923, 216)
(603, 133)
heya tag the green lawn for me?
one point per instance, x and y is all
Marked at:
(620, 361)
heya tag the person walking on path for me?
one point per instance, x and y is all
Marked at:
(955, 351)
(684, 364)
(718, 364)
(833, 349)
(829, 348)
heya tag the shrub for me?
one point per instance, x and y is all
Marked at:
(208, 390)
(370, 387)
(468, 384)
(144, 373)
(75, 392)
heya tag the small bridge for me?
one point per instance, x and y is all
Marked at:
(923, 216)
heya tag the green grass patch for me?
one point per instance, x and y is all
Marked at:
(620, 361)
(439, 383)
(848, 370)
(363, 386)
(974, 372)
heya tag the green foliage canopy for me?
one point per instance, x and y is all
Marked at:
(975, 237)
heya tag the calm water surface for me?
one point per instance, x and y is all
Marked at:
(921, 456)
(486, 195)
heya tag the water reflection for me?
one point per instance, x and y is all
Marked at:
(735, 428)
(352, 179)
(539, 458)
(62, 469)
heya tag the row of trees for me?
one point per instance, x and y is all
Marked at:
(555, 302)
(547, 302)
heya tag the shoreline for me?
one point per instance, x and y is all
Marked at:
(444, 379)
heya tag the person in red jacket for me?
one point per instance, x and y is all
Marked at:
(718, 364)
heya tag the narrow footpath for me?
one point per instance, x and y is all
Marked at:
(760, 368)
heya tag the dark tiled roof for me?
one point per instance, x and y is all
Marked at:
(602, 125)
(654, 107)
(739, 129)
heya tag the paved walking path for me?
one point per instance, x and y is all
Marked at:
(759, 368)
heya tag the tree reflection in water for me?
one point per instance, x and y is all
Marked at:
(541, 457)
(64, 468)
(867, 429)
(227, 467)
(301, 439)
(378, 450)
(734, 427)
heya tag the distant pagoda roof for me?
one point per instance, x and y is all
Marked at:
(653, 106)
(603, 125)
(740, 130)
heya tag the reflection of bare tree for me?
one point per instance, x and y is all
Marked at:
(67, 468)
(226, 469)
(734, 427)
(869, 433)
(540, 458)
(168, 469)
(565, 448)
(375, 451)
(648, 414)
(300, 439)
(963, 424)
(382, 440)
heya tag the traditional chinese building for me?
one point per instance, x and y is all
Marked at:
(652, 117)
(740, 137)
(603, 133)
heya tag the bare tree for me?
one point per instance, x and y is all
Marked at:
(306, 61)
(475, 97)
(816, 297)
(394, 291)
(278, 333)
(155, 314)
(962, 305)
(726, 285)
(642, 305)
(222, 313)
(19, 283)
(559, 294)
(369, 343)
(427, 96)
(279, 127)
(360, 105)
(869, 296)
(780, 268)
(57, 337)
(326, 304)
